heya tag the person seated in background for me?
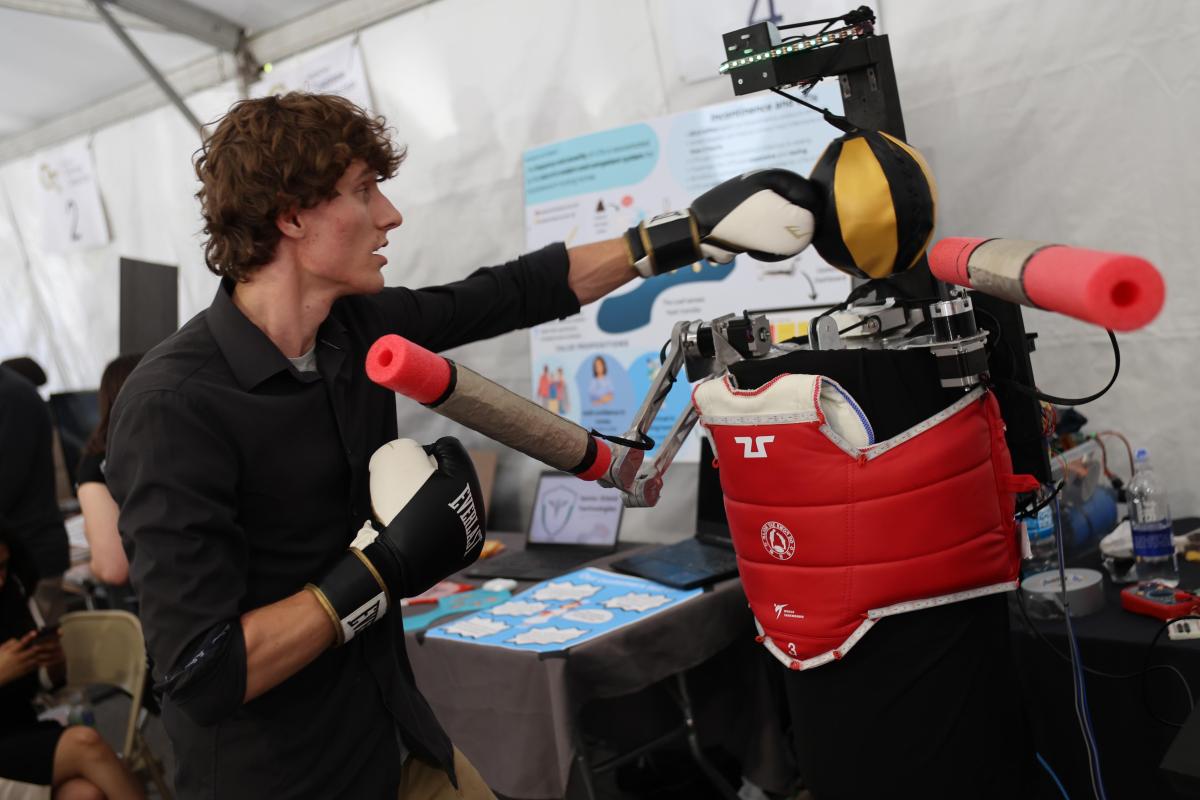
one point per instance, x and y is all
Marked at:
(29, 510)
(27, 368)
(108, 562)
(75, 762)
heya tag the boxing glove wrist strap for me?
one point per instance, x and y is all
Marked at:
(352, 593)
(664, 243)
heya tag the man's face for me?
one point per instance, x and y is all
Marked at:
(342, 236)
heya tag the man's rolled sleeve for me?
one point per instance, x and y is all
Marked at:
(173, 474)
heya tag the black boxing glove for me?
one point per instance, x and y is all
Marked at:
(432, 497)
(769, 214)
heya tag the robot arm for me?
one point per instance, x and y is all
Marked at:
(705, 349)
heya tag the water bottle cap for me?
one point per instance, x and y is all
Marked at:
(1142, 454)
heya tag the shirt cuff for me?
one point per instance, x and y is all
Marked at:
(553, 262)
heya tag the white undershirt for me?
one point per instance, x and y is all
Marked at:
(306, 362)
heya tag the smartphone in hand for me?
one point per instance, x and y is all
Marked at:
(48, 633)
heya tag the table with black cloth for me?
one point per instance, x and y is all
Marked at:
(1131, 742)
(514, 713)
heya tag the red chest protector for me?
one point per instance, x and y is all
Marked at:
(834, 530)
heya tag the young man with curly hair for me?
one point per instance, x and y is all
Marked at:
(238, 453)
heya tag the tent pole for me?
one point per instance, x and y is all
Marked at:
(155, 75)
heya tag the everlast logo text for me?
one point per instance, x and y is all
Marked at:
(364, 617)
(464, 504)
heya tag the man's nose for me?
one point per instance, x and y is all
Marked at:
(390, 217)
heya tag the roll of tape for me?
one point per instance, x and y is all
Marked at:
(1085, 591)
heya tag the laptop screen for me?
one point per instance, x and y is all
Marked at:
(75, 414)
(567, 510)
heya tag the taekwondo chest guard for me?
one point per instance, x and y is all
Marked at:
(834, 530)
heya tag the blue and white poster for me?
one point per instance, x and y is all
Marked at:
(596, 367)
(565, 611)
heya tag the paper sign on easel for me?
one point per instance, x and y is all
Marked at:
(72, 215)
(334, 69)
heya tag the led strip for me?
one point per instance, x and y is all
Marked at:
(810, 43)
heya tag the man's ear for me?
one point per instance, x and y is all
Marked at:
(288, 223)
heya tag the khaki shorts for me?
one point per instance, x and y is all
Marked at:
(422, 781)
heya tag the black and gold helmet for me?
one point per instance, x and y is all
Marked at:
(880, 204)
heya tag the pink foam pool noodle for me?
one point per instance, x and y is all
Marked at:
(1112, 290)
(484, 406)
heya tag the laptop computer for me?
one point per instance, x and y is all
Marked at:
(705, 558)
(572, 522)
(75, 415)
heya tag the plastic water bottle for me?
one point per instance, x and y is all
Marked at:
(1150, 517)
(80, 709)
(1043, 544)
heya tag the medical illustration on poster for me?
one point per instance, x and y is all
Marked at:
(596, 367)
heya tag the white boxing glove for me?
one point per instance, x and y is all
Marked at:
(770, 214)
(398, 470)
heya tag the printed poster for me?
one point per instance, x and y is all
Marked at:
(72, 214)
(596, 367)
(336, 68)
(565, 611)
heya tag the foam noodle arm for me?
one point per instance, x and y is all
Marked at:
(1112, 290)
(486, 407)
(408, 369)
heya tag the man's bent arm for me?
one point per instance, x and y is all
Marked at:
(281, 639)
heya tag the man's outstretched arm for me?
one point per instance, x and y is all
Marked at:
(599, 268)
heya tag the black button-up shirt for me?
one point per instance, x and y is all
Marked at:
(239, 480)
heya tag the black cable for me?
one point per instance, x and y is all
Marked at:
(854, 17)
(828, 21)
(1146, 662)
(1141, 673)
(1049, 499)
(645, 441)
(995, 330)
(1076, 401)
(855, 326)
(1078, 677)
(841, 123)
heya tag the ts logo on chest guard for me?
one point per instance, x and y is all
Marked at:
(755, 447)
(777, 540)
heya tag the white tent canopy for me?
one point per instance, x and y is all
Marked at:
(1061, 122)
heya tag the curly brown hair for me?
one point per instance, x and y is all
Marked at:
(271, 154)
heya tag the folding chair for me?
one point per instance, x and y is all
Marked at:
(15, 790)
(106, 647)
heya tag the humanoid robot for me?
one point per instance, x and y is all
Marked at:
(873, 468)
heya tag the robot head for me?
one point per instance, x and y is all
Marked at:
(880, 203)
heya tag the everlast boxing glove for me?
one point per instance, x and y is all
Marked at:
(769, 214)
(432, 496)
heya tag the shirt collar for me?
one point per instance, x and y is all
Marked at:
(251, 354)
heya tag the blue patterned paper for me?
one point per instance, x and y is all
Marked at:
(565, 611)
